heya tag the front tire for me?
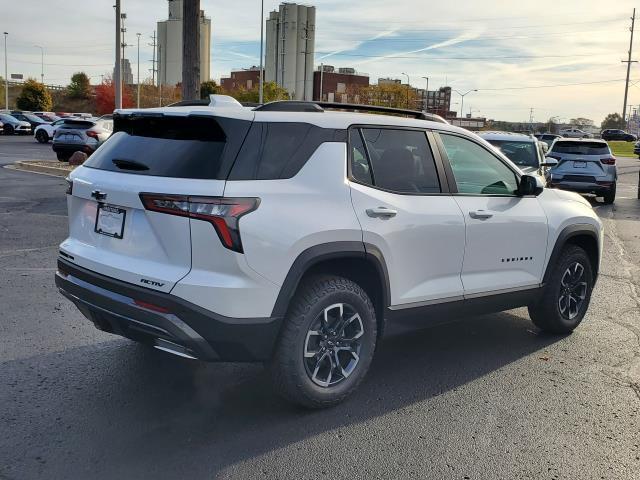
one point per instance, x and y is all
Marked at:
(567, 294)
(63, 157)
(326, 344)
(41, 136)
(8, 130)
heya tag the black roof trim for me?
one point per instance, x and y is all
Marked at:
(302, 106)
(190, 103)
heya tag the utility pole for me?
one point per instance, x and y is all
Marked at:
(138, 79)
(124, 45)
(261, 94)
(408, 87)
(117, 74)
(190, 50)
(153, 62)
(159, 79)
(6, 74)
(531, 119)
(41, 63)
(321, 79)
(628, 61)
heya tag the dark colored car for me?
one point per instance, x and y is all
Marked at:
(548, 138)
(615, 134)
(77, 135)
(28, 117)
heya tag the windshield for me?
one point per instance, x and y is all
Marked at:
(523, 154)
(33, 118)
(581, 148)
(7, 118)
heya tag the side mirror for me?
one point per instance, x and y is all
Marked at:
(549, 162)
(530, 185)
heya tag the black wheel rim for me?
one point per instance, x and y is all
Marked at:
(332, 345)
(573, 291)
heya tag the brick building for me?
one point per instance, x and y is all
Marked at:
(246, 79)
(337, 86)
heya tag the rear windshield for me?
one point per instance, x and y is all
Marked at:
(200, 147)
(581, 148)
(524, 154)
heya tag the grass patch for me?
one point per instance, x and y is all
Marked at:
(623, 149)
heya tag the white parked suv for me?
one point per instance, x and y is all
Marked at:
(291, 233)
(575, 133)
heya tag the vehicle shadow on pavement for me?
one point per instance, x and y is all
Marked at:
(129, 411)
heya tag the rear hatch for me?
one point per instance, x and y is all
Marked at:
(582, 160)
(71, 132)
(110, 232)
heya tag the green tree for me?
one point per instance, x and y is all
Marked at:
(34, 96)
(80, 86)
(272, 92)
(209, 87)
(613, 120)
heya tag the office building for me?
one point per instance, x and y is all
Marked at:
(290, 47)
(127, 74)
(341, 85)
(170, 46)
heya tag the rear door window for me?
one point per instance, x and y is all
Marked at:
(399, 161)
(199, 147)
(581, 148)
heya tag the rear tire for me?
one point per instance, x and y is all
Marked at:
(327, 342)
(41, 136)
(566, 296)
(610, 196)
(63, 157)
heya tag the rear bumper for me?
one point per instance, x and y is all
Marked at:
(582, 187)
(72, 147)
(165, 321)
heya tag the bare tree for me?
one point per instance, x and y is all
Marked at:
(191, 49)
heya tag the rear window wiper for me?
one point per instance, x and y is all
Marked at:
(129, 164)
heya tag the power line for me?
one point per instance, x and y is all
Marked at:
(458, 58)
(551, 86)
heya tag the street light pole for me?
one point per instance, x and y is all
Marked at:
(408, 87)
(138, 80)
(42, 63)
(463, 95)
(261, 95)
(6, 74)
(426, 105)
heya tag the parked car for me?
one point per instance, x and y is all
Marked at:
(1, 128)
(14, 126)
(585, 166)
(47, 116)
(45, 132)
(549, 138)
(574, 133)
(522, 149)
(77, 135)
(289, 234)
(615, 134)
(29, 117)
(81, 115)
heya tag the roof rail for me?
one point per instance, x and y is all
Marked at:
(189, 103)
(303, 106)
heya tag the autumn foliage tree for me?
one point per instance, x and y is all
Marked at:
(105, 97)
(34, 96)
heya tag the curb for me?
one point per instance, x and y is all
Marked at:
(31, 167)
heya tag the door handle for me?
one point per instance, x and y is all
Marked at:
(381, 212)
(480, 215)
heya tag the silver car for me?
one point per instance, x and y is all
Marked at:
(585, 166)
(76, 135)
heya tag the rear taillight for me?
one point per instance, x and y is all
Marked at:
(92, 134)
(608, 161)
(222, 213)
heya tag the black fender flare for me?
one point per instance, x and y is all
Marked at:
(330, 251)
(565, 235)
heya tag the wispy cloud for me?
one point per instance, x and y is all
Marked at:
(356, 45)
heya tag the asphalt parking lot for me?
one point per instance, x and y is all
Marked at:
(484, 398)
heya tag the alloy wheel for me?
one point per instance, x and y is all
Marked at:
(332, 345)
(573, 291)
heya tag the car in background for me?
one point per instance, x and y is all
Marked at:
(584, 166)
(63, 114)
(636, 149)
(81, 115)
(45, 132)
(522, 149)
(1, 128)
(548, 138)
(47, 116)
(574, 133)
(29, 117)
(14, 126)
(616, 134)
(79, 135)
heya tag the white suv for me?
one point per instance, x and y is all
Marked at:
(291, 233)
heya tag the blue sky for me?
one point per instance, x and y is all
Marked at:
(514, 53)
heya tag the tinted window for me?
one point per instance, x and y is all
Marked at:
(581, 148)
(524, 154)
(275, 150)
(171, 146)
(401, 160)
(360, 169)
(476, 170)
